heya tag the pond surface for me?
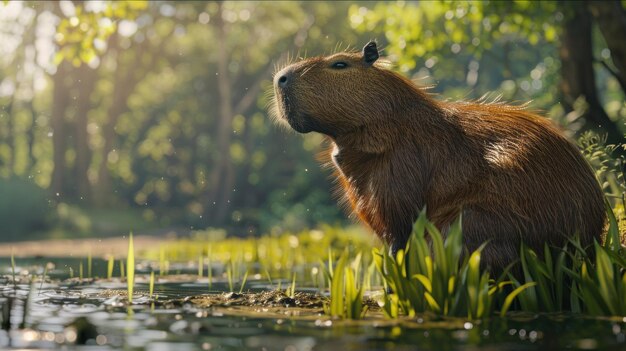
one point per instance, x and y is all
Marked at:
(184, 315)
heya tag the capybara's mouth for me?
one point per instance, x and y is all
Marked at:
(290, 112)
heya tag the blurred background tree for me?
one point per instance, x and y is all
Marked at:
(152, 115)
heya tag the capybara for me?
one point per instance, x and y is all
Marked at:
(511, 174)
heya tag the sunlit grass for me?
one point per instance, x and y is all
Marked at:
(432, 275)
(110, 265)
(291, 290)
(200, 266)
(163, 264)
(270, 255)
(151, 284)
(13, 269)
(346, 290)
(130, 267)
(89, 264)
(210, 267)
(243, 282)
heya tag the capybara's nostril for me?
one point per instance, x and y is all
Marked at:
(282, 81)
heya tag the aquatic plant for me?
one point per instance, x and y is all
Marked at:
(438, 278)
(110, 265)
(569, 279)
(130, 267)
(89, 264)
(275, 253)
(291, 290)
(13, 269)
(151, 284)
(243, 282)
(229, 276)
(346, 289)
(209, 266)
(200, 266)
(43, 278)
(163, 266)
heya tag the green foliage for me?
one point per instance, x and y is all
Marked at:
(130, 266)
(435, 278)
(561, 279)
(144, 115)
(272, 255)
(346, 288)
(151, 284)
(245, 278)
(605, 162)
(569, 279)
(485, 46)
(82, 35)
(110, 265)
(13, 269)
(24, 208)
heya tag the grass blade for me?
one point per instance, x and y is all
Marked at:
(130, 269)
(512, 295)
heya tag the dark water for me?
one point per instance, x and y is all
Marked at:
(88, 316)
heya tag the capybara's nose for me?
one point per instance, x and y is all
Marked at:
(283, 78)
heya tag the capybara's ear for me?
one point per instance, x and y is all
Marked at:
(370, 53)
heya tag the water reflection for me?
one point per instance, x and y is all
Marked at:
(95, 315)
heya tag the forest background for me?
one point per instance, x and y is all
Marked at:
(151, 116)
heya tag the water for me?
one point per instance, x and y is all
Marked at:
(93, 315)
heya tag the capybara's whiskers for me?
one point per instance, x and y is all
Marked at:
(305, 71)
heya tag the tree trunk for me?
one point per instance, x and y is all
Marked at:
(129, 72)
(60, 100)
(30, 135)
(611, 19)
(577, 74)
(11, 134)
(85, 84)
(220, 177)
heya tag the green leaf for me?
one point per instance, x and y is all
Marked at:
(130, 268)
(337, 287)
(426, 283)
(512, 295)
(612, 236)
(434, 306)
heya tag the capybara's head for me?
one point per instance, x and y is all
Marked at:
(335, 94)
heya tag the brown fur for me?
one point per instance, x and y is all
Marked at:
(511, 174)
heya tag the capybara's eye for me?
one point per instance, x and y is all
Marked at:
(339, 65)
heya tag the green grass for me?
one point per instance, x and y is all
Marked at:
(110, 265)
(432, 275)
(13, 269)
(435, 280)
(130, 267)
(200, 266)
(209, 267)
(346, 280)
(151, 284)
(243, 282)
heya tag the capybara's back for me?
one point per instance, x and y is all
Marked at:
(511, 174)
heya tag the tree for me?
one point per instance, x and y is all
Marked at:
(611, 18)
(475, 30)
